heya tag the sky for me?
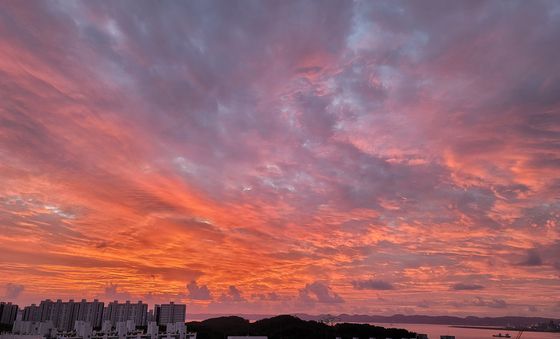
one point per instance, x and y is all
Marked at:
(371, 157)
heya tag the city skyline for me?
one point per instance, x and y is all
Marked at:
(92, 319)
(267, 157)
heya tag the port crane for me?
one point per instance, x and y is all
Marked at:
(519, 334)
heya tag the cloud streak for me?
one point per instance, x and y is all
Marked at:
(372, 284)
(466, 287)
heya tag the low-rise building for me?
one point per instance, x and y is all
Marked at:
(106, 327)
(20, 336)
(83, 329)
(42, 328)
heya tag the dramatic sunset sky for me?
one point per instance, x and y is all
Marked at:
(282, 156)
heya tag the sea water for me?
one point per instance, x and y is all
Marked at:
(435, 331)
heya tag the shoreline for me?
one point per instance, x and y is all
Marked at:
(503, 329)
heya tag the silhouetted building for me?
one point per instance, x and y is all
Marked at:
(65, 314)
(170, 313)
(8, 313)
(31, 313)
(62, 314)
(121, 312)
(91, 312)
(45, 310)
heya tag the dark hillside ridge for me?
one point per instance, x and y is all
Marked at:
(289, 327)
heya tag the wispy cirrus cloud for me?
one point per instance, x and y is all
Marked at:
(466, 287)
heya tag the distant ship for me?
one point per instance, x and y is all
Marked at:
(499, 335)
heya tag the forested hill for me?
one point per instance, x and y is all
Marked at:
(288, 327)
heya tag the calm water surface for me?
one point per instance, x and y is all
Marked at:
(435, 331)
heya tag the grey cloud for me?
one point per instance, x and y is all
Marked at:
(492, 303)
(424, 304)
(233, 294)
(532, 309)
(111, 292)
(318, 292)
(170, 273)
(198, 292)
(466, 287)
(270, 296)
(533, 258)
(13, 290)
(372, 284)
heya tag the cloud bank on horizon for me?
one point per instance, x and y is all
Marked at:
(283, 156)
